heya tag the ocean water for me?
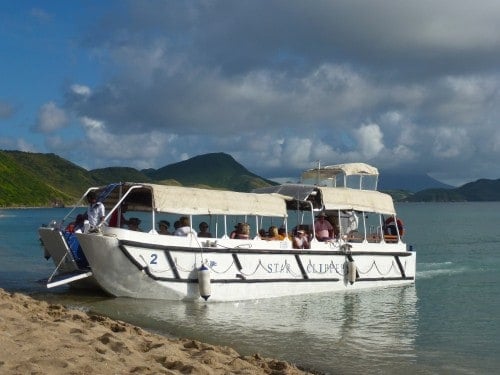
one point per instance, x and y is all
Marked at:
(447, 323)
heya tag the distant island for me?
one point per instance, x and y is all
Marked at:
(47, 180)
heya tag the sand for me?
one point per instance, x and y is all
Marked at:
(41, 338)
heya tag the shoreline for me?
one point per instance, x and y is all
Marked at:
(40, 337)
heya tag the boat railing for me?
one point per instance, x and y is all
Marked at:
(118, 205)
(77, 205)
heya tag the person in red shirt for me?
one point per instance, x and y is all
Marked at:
(113, 220)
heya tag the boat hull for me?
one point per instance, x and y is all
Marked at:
(141, 265)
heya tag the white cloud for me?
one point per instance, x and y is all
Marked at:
(81, 90)
(40, 15)
(134, 150)
(91, 125)
(450, 142)
(51, 118)
(23, 145)
(370, 140)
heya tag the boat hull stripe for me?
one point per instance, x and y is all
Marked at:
(261, 251)
(130, 257)
(400, 266)
(237, 262)
(172, 265)
(301, 267)
(238, 281)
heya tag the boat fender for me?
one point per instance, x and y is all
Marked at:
(204, 282)
(351, 271)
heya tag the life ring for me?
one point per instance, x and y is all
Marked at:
(399, 223)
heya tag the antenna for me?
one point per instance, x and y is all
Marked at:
(318, 171)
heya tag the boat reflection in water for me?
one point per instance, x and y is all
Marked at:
(342, 332)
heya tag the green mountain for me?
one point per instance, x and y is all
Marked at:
(218, 170)
(109, 175)
(481, 190)
(45, 180)
(29, 179)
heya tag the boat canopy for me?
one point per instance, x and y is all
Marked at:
(196, 201)
(358, 200)
(348, 169)
(354, 175)
(335, 198)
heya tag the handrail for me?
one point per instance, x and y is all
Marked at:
(118, 204)
(78, 203)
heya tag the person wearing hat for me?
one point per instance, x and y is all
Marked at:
(323, 230)
(133, 224)
(163, 226)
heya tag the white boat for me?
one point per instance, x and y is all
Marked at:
(145, 264)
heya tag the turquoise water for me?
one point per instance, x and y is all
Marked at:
(446, 324)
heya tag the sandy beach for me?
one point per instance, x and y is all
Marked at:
(41, 338)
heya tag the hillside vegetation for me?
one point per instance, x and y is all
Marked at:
(482, 190)
(45, 180)
(21, 184)
(217, 170)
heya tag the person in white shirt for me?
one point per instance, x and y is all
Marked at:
(185, 227)
(95, 210)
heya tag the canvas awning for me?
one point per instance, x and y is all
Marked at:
(196, 201)
(359, 200)
(348, 169)
(336, 198)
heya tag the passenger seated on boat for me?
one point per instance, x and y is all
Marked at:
(262, 234)
(163, 226)
(204, 230)
(77, 225)
(236, 230)
(300, 240)
(185, 227)
(282, 233)
(323, 230)
(113, 220)
(272, 234)
(133, 224)
(177, 225)
(334, 220)
(243, 233)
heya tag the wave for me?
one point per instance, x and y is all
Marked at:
(435, 265)
(440, 269)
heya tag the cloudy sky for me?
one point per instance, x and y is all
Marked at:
(403, 85)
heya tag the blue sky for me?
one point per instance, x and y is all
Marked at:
(410, 86)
